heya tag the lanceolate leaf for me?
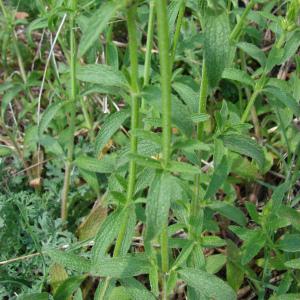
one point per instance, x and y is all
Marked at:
(102, 75)
(216, 45)
(7, 98)
(253, 51)
(218, 178)
(34, 296)
(229, 211)
(284, 98)
(252, 246)
(107, 233)
(111, 124)
(105, 165)
(70, 261)
(68, 287)
(96, 25)
(158, 205)
(208, 285)
(136, 290)
(49, 114)
(130, 229)
(244, 145)
(238, 75)
(121, 267)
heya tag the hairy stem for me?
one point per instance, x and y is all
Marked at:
(133, 49)
(149, 43)
(195, 205)
(165, 71)
(73, 96)
(238, 27)
(177, 30)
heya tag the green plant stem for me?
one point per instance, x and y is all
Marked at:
(149, 45)
(133, 50)
(73, 96)
(177, 30)
(163, 40)
(249, 105)
(195, 205)
(165, 70)
(254, 116)
(202, 100)
(238, 27)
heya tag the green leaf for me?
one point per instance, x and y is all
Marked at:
(49, 114)
(136, 290)
(184, 255)
(7, 98)
(286, 297)
(244, 145)
(234, 271)
(208, 285)
(69, 260)
(129, 233)
(91, 179)
(216, 46)
(198, 118)
(97, 23)
(102, 75)
(173, 9)
(158, 205)
(253, 51)
(68, 287)
(229, 211)
(212, 242)
(291, 46)
(111, 125)
(34, 296)
(105, 165)
(118, 293)
(293, 263)
(289, 243)
(214, 263)
(51, 145)
(252, 246)
(121, 267)
(147, 135)
(187, 94)
(181, 116)
(107, 232)
(238, 75)
(181, 167)
(146, 161)
(5, 151)
(284, 98)
(218, 178)
(274, 58)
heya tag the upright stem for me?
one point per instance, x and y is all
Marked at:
(238, 27)
(149, 43)
(254, 116)
(202, 99)
(177, 30)
(165, 72)
(69, 162)
(195, 205)
(133, 50)
(249, 106)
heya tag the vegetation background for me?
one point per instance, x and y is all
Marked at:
(149, 149)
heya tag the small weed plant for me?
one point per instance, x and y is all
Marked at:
(149, 149)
